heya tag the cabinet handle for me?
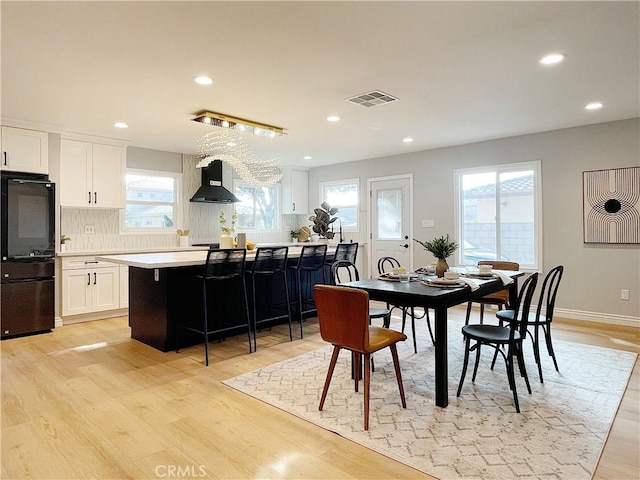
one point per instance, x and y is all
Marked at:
(89, 197)
(294, 207)
(88, 279)
(95, 278)
(95, 197)
(4, 154)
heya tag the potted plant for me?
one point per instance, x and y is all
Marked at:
(295, 234)
(63, 239)
(441, 248)
(323, 221)
(226, 239)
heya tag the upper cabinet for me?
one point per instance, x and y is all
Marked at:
(295, 191)
(25, 150)
(92, 175)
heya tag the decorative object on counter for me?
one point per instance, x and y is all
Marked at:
(295, 234)
(63, 240)
(183, 238)
(304, 234)
(441, 248)
(226, 239)
(241, 240)
(323, 221)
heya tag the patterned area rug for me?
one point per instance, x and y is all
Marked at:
(559, 434)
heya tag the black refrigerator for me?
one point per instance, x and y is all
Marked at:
(27, 270)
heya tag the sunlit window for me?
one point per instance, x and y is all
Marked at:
(258, 208)
(343, 195)
(152, 202)
(498, 214)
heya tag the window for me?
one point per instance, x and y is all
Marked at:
(343, 195)
(498, 212)
(259, 206)
(152, 202)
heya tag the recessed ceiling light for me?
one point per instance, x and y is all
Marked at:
(552, 58)
(120, 125)
(333, 118)
(307, 157)
(203, 80)
(407, 139)
(594, 106)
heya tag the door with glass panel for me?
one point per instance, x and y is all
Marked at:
(391, 228)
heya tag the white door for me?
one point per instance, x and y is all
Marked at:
(109, 164)
(76, 291)
(391, 216)
(76, 189)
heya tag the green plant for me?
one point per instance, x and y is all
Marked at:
(295, 233)
(441, 247)
(323, 220)
(64, 239)
(223, 223)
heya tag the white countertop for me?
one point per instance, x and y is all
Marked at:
(185, 258)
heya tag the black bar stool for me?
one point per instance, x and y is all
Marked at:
(270, 264)
(224, 272)
(311, 261)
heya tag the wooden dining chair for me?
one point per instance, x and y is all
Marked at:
(499, 299)
(343, 315)
(538, 320)
(497, 337)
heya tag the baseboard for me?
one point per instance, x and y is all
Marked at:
(609, 318)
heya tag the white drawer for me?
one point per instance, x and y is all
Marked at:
(75, 263)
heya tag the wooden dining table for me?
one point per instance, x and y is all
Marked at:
(417, 294)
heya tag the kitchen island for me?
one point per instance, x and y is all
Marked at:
(164, 288)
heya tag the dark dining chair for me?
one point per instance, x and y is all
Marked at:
(344, 251)
(496, 337)
(269, 268)
(500, 298)
(223, 292)
(539, 320)
(310, 264)
(345, 271)
(343, 315)
(385, 265)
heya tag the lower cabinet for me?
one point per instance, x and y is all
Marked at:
(124, 286)
(89, 286)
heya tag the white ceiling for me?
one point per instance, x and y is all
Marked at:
(463, 71)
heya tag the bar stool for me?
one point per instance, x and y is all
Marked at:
(311, 261)
(270, 264)
(344, 252)
(223, 285)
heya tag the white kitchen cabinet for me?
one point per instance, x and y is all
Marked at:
(89, 286)
(124, 286)
(25, 150)
(92, 175)
(295, 192)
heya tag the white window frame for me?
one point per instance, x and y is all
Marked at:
(348, 181)
(177, 204)
(509, 167)
(241, 183)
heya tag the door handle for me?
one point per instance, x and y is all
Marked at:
(95, 278)
(95, 197)
(406, 245)
(88, 279)
(294, 207)
(89, 197)
(4, 154)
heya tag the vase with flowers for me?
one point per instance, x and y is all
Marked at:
(323, 221)
(226, 238)
(441, 248)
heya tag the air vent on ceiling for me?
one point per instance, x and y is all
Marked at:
(372, 99)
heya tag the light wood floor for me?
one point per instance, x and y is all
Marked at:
(86, 401)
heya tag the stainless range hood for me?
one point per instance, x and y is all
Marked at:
(211, 189)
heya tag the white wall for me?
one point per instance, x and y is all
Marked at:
(594, 274)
